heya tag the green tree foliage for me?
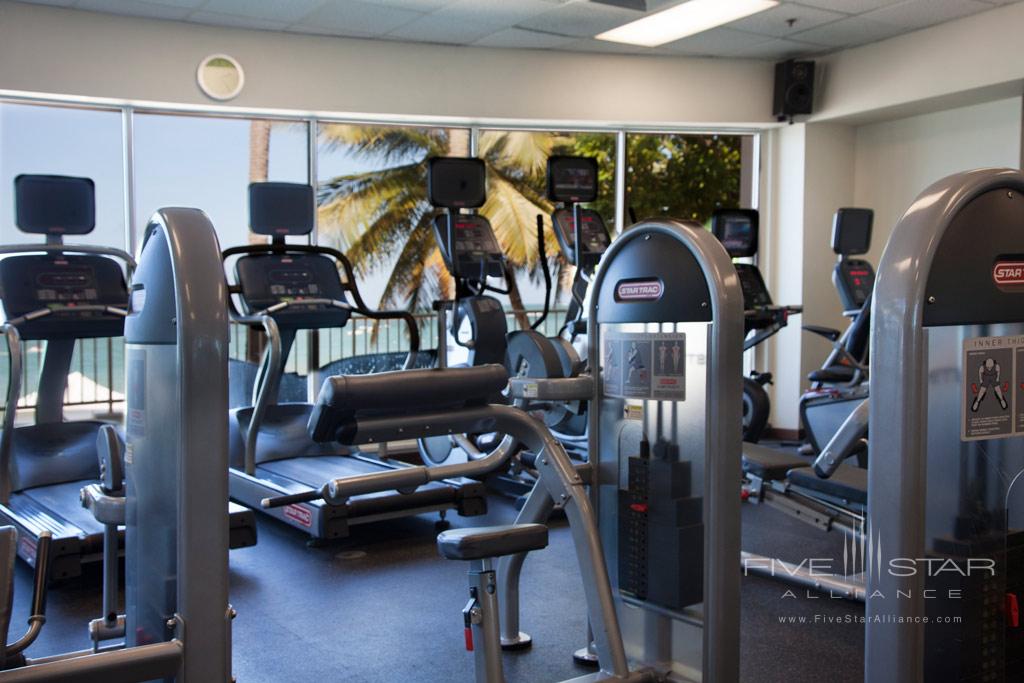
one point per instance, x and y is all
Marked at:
(674, 175)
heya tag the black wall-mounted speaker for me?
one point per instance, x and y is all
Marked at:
(794, 89)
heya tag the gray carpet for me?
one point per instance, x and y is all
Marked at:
(382, 606)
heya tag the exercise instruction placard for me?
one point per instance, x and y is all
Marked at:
(645, 365)
(993, 388)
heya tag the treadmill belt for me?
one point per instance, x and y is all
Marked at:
(847, 483)
(63, 499)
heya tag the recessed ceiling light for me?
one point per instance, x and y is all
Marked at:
(684, 20)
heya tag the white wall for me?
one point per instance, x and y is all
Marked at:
(974, 59)
(808, 176)
(55, 50)
(896, 160)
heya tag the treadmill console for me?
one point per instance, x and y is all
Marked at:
(851, 236)
(468, 246)
(594, 235)
(269, 279)
(61, 282)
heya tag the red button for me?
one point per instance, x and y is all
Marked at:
(638, 507)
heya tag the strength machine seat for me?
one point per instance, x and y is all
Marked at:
(491, 541)
(343, 397)
(834, 374)
(769, 464)
(847, 485)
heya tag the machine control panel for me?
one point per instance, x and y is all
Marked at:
(755, 292)
(269, 279)
(594, 234)
(468, 246)
(855, 278)
(32, 282)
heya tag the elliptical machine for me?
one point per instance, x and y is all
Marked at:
(841, 384)
(737, 230)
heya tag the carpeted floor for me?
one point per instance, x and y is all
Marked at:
(382, 606)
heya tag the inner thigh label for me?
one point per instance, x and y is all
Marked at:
(992, 390)
(645, 365)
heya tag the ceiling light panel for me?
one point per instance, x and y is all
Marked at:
(684, 20)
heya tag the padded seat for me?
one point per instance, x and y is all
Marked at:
(833, 374)
(491, 541)
(847, 483)
(770, 464)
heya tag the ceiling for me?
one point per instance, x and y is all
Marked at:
(793, 29)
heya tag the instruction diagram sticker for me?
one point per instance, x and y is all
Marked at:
(645, 366)
(611, 370)
(992, 396)
(1018, 390)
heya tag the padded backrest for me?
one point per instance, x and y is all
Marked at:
(860, 333)
(54, 204)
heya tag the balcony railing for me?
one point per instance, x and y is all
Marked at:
(97, 367)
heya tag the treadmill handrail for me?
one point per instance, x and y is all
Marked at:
(261, 387)
(129, 261)
(50, 310)
(349, 285)
(13, 338)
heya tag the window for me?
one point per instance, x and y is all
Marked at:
(517, 165)
(77, 142)
(208, 163)
(64, 141)
(682, 175)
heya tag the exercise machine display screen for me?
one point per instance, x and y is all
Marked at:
(737, 230)
(594, 236)
(572, 179)
(54, 205)
(281, 208)
(456, 182)
(468, 246)
(265, 280)
(851, 231)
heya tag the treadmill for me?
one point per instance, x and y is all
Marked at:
(282, 288)
(60, 293)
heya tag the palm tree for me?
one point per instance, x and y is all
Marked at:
(377, 214)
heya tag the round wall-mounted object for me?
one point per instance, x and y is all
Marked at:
(220, 77)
